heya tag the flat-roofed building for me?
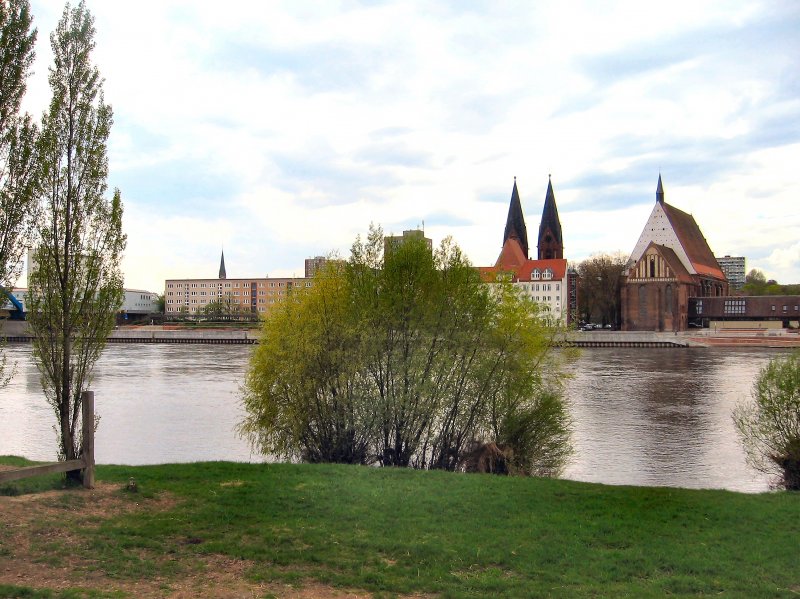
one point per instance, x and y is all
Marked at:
(734, 268)
(254, 295)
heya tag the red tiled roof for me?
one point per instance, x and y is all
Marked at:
(557, 265)
(523, 271)
(693, 242)
(511, 256)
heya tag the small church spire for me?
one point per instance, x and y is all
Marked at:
(660, 191)
(222, 274)
(515, 223)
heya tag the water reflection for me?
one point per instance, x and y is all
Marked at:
(662, 417)
(642, 416)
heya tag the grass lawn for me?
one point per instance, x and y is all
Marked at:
(399, 532)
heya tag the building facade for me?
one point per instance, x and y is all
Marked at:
(256, 295)
(734, 268)
(136, 303)
(392, 241)
(735, 311)
(670, 263)
(191, 297)
(313, 265)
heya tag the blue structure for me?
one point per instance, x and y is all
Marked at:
(18, 311)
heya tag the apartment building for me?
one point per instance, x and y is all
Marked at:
(251, 295)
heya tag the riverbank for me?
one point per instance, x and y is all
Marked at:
(238, 335)
(223, 529)
(767, 338)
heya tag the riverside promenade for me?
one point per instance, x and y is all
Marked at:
(16, 331)
(774, 338)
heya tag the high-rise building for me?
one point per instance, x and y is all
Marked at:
(734, 268)
(392, 241)
(314, 264)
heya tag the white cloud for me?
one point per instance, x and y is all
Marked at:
(317, 119)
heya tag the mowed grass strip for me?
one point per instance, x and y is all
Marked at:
(403, 531)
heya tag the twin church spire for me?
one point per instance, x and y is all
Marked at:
(550, 243)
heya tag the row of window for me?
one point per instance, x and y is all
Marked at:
(537, 274)
(203, 302)
(541, 287)
(231, 285)
(227, 294)
(739, 306)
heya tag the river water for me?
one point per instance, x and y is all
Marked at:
(641, 416)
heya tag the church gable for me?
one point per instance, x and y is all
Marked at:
(658, 264)
(659, 231)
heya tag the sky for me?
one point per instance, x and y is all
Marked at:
(281, 130)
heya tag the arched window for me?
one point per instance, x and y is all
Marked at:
(547, 274)
(652, 267)
(536, 274)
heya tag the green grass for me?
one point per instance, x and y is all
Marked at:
(402, 531)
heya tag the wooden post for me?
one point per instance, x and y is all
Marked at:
(87, 406)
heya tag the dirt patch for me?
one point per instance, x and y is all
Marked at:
(39, 549)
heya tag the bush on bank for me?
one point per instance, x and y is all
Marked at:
(769, 424)
(405, 357)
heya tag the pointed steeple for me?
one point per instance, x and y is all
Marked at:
(551, 244)
(660, 191)
(515, 223)
(222, 274)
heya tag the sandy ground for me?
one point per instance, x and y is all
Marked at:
(25, 535)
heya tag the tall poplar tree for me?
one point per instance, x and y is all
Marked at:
(75, 284)
(18, 194)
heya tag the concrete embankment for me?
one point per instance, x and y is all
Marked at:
(627, 339)
(695, 338)
(18, 331)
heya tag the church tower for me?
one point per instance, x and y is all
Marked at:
(551, 244)
(222, 274)
(515, 223)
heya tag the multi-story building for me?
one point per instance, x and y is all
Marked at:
(547, 280)
(248, 295)
(392, 241)
(734, 268)
(314, 264)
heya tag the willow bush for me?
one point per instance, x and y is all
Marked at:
(405, 357)
(769, 424)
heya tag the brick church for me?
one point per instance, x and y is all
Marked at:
(670, 263)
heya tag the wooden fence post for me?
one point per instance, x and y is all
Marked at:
(87, 406)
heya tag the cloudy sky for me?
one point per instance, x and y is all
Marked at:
(280, 131)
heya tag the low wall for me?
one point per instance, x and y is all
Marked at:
(745, 324)
(627, 339)
(18, 331)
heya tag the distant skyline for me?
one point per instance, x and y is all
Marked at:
(280, 131)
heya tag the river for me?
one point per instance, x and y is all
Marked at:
(641, 416)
